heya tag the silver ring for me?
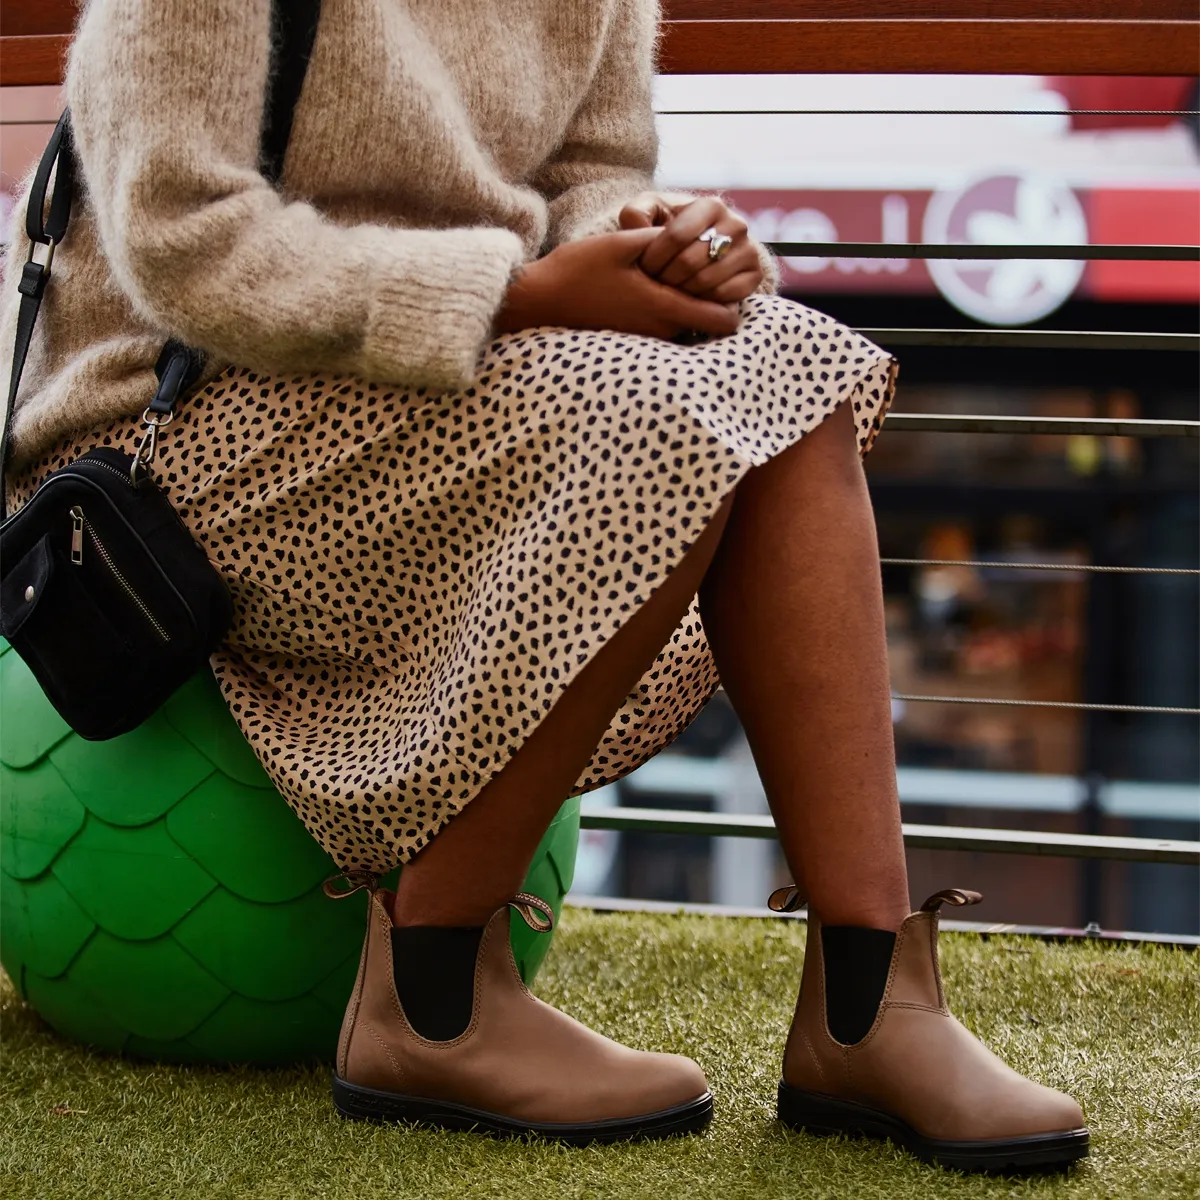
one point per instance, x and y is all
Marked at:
(718, 243)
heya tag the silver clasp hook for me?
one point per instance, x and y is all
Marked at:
(149, 445)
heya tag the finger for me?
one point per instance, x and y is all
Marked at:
(681, 230)
(632, 217)
(644, 209)
(738, 288)
(689, 312)
(628, 245)
(695, 264)
(696, 257)
(702, 279)
(688, 263)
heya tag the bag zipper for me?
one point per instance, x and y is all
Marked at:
(80, 523)
(99, 462)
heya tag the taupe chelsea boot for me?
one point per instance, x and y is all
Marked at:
(472, 1048)
(918, 1077)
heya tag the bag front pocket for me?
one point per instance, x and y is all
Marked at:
(85, 541)
(86, 665)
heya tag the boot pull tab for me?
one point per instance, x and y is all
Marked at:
(338, 887)
(959, 897)
(534, 911)
(786, 899)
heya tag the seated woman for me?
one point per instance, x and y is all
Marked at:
(507, 460)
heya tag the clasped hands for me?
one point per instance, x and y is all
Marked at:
(653, 277)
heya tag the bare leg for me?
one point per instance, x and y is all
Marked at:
(793, 608)
(481, 857)
(792, 602)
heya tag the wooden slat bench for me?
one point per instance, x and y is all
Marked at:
(1034, 37)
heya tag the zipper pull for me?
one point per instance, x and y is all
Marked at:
(77, 536)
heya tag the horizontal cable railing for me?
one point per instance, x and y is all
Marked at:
(992, 564)
(1016, 702)
(927, 112)
(1159, 709)
(1133, 427)
(1041, 339)
(723, 778)
(1053, 933)
(968, 251)
(927, 837)
(1035, 339)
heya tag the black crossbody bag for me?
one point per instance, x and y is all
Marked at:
(103, 591)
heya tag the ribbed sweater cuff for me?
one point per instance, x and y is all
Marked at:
(433, 303)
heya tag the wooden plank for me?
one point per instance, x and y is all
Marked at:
(22, 18)
(33, 61)
(855, 45)
(936, 47)
(824, 10)
(28, 18)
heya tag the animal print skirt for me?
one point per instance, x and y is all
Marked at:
(418, 577)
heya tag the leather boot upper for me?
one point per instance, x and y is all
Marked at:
(518, 1056)
(917, 1062)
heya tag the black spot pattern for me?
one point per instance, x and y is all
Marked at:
(419, 576)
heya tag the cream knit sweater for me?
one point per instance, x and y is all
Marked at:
(437, 145)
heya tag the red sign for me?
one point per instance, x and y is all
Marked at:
(1109, 215)
(1170, 218)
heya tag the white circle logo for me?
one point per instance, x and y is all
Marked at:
(807, 225)
(1010, 210)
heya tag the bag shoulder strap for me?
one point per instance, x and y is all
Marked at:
(293, 32)
(294, 25)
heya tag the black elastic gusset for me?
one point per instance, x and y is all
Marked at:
(857, 962)
(434, 969)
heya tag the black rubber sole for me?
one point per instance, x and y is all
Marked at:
(819, 1114)
(367, 1104)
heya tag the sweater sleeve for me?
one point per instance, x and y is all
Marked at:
(167, 99)
(611, 149)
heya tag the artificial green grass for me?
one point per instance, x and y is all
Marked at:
(1119, 1027)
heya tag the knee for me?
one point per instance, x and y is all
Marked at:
(827, 458)
(837, 435)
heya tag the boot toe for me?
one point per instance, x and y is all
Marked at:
(1025, 1110)
(1057, 1112)
(690, 1080)
(669, 1081)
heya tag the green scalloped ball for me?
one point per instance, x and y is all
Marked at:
(159, 898)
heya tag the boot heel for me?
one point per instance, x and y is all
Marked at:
(819, 1114)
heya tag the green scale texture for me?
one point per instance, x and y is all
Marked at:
(158, 897)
